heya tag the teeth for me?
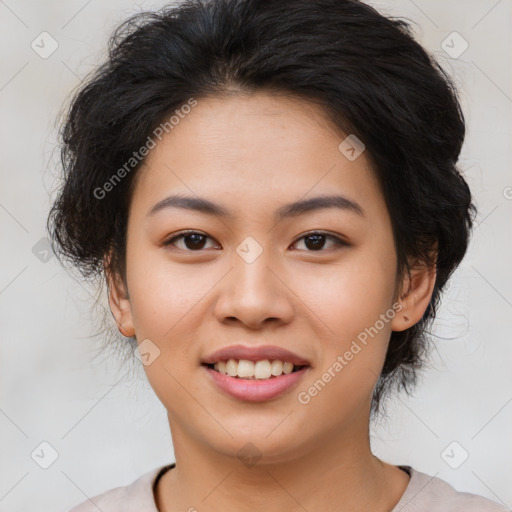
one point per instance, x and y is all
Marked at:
(221, 367)
(262, 369)
(232, 368)
(245, 368)
(276, 367)
(287, 368)
(258, 370)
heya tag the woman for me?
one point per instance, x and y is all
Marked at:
(270, 191)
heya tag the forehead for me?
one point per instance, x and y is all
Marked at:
(259, 148)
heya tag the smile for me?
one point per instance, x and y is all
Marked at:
(255, 370)
(253, 389)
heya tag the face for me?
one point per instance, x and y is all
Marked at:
(311, 280)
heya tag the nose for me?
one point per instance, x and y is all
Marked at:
(254, 295)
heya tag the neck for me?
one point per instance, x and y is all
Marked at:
(341, 475)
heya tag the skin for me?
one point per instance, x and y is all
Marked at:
(253, 154)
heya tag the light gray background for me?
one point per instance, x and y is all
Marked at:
(108, 428)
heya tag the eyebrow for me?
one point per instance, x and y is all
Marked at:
(297, 208)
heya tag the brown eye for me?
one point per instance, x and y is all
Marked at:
(191, 241)
(317, 241)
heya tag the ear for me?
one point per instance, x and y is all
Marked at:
(414, 295)
(119, 301)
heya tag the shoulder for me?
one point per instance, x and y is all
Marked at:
(427, 493)
(134, 497)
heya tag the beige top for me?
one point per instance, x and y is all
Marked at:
(424, 493)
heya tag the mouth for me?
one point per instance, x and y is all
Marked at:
(255, 373)
(264, 369)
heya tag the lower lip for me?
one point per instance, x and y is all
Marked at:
(255, 390)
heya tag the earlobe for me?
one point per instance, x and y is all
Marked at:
(119, 302)
(417, 289)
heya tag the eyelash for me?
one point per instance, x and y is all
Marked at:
(338, 241)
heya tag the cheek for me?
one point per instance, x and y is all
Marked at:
(352, 303)
(349, 296)
(353, 351)
(163, 294)
(167, 309)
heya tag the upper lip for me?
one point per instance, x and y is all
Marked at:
(252, 353)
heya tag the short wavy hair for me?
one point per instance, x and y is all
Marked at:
(366, 71)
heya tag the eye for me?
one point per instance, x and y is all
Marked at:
(315, 241)
(197, 241)
(192, 240)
